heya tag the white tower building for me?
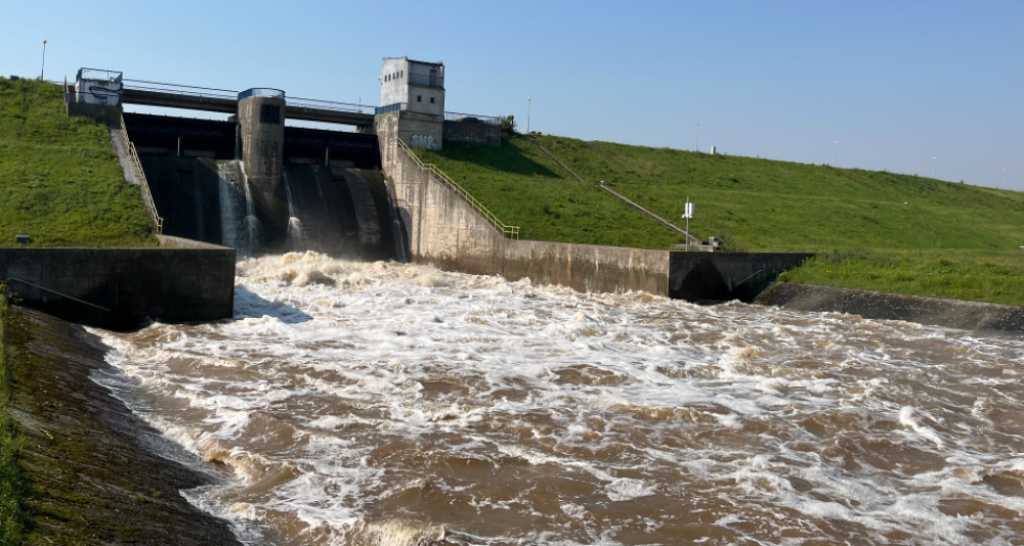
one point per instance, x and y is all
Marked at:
(412, 93)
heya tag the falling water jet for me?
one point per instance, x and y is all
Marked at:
(251, 224)
(296, 235)
(399, 239)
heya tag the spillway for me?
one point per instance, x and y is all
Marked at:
(383, 403)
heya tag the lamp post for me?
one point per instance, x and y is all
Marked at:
(529, 101)
(697, 147)
(43, 71)
(837, 153)
(933, 166)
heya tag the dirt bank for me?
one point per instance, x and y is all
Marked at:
(965, 315)
(89, 476)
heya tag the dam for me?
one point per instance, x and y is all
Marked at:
(483, 389)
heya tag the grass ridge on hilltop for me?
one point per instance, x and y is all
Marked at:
(60, 182)
(872, 230)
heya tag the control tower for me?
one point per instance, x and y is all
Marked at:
(412, 102)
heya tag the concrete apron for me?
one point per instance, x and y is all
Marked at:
(966, 315)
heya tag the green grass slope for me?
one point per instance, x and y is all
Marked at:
(60, 181)
(524, 187)
(872, 230)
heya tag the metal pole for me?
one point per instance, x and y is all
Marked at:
(327, 157)
(179, 146)
(696, 149)
(529, 102)
(42, 72)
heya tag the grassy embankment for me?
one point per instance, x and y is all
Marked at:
(10, 481)
(60, 182)
(872, 230)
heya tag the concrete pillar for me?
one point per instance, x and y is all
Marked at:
(261, 120)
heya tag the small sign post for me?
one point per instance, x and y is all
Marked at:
(687, 214)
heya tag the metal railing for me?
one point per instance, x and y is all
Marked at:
(176, 89)
(426, 80)
(390, 108)
(471, 118)
(147, 196)
(511, 232)
(261, 92)
(112, 76)
(317, 104)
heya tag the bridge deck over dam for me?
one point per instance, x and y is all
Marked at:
(224, 101)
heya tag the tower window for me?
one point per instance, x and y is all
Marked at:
(270, 113)
(431, 100)
(419, 98)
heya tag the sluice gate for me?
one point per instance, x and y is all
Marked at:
(330, 193)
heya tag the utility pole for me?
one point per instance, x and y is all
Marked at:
(697, 148)
(933, 166)
(42, 72)
(529, 102)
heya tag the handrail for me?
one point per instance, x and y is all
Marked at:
(147, 195)
(58, 293)
(318, 104)
(512, 232)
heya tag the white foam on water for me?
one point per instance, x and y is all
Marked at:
(387, 403)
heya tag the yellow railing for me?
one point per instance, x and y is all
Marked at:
(147, 196)
(512, 232)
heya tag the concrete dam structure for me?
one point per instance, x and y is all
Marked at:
(258, 186)
(254, 184)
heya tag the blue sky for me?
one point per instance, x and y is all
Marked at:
(896, 83)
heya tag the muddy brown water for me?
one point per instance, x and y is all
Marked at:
(390, 404)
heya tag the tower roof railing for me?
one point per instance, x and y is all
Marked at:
(101, 74)
(267, 92)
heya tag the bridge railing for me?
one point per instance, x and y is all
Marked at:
(391, 108)
(471, 118)
(147, 196)
(176, 89)
(334, 106)
(510, 232)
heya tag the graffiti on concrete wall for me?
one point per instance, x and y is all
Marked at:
(423, 141)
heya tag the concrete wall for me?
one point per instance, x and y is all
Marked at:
(473, 132)
(169, 285)
(444, 230)
(415, 129)
(110, 113)
(721, 276)
(394, 80)
(869, 304)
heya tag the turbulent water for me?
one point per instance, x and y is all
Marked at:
(392, 404)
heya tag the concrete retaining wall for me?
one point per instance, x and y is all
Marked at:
(165, 284)
(700, 276)
(869, 304)
(472, 132)
(444, 230)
